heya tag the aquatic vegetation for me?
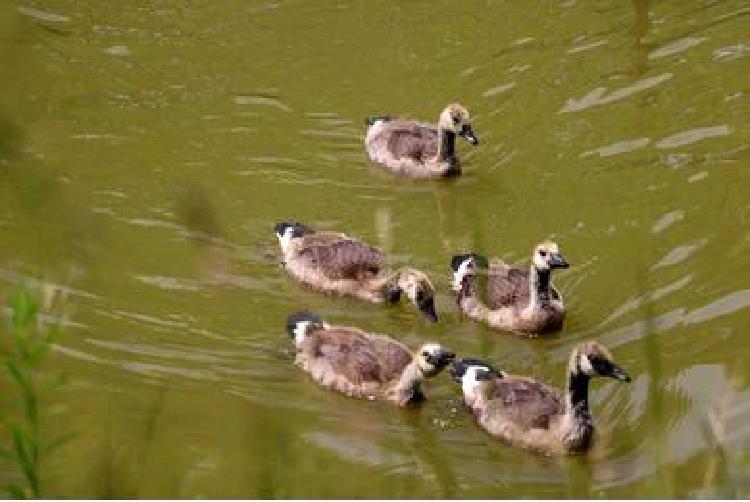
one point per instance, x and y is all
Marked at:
(23, 353)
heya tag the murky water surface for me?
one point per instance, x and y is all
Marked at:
(146, 149)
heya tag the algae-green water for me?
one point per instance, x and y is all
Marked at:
(147, 149)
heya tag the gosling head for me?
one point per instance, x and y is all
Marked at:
(419, 290)
(471, 373)
(299, 324)
(432, 358)
(455, 118)
(547, 257)
(464, 265)
(288, 230)
(593, 359)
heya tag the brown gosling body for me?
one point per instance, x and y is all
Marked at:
(417, 149)
(363, 365)
(335, 263)
(532, 415)
(522, 301)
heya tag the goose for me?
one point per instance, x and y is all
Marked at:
(521, 301)
(336, 263)
(530, 414)
(417, 149)
(363, 365)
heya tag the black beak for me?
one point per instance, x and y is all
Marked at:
(444, 358)
(427, 307)
(557, 260)
(468, 134)
(457, 371)
(619, 374)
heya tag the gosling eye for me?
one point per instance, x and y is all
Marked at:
(425, 354)
(456, 120)
(542, 253)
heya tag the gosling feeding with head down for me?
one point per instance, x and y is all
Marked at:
(336, 263)
(363, 365)
(530, 414)
(516, 300)
(417, 149)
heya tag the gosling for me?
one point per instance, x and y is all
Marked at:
(335, 263)
(530, 414)
(363, 365)
(524, 302)
(417, 149)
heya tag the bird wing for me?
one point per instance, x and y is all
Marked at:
(360, 357)
(525, 402)
(349, 354)
(392, 355)
(411, 139)
(340, 257)
(506, 286)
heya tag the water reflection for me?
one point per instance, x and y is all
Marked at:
(640, 30)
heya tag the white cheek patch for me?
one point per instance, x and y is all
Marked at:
(540, 263)
(433, 349)
(585, 365)
(300, 331)
(458, 275)
(469, 381)
(285, 239)
(425, 366)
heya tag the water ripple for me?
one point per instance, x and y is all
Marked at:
(499, 89)
(599, 95)
(731, 52)
(667, 221)
(691, 136)
(619, 147)
(587, 47)
(40, 15)
(727, 304)
(357, 449)
(259, 100)
(676, 46)
(170, 283)
(679, 254)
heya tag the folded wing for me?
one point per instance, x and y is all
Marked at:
(341, 257)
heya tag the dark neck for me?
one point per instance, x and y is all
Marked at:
(541, 284)
(447, 145)
(578, 393)
(391, 290)
(467, 288)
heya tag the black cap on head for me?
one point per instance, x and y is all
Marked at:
(457, 260)
(293, 320)
(298, 229)
(479, 260)
(459, 367)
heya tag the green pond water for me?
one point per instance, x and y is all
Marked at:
(147, 149)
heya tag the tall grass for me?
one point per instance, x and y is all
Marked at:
(23, 351)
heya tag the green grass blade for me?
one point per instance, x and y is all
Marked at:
(28, 466)
(16, 492)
